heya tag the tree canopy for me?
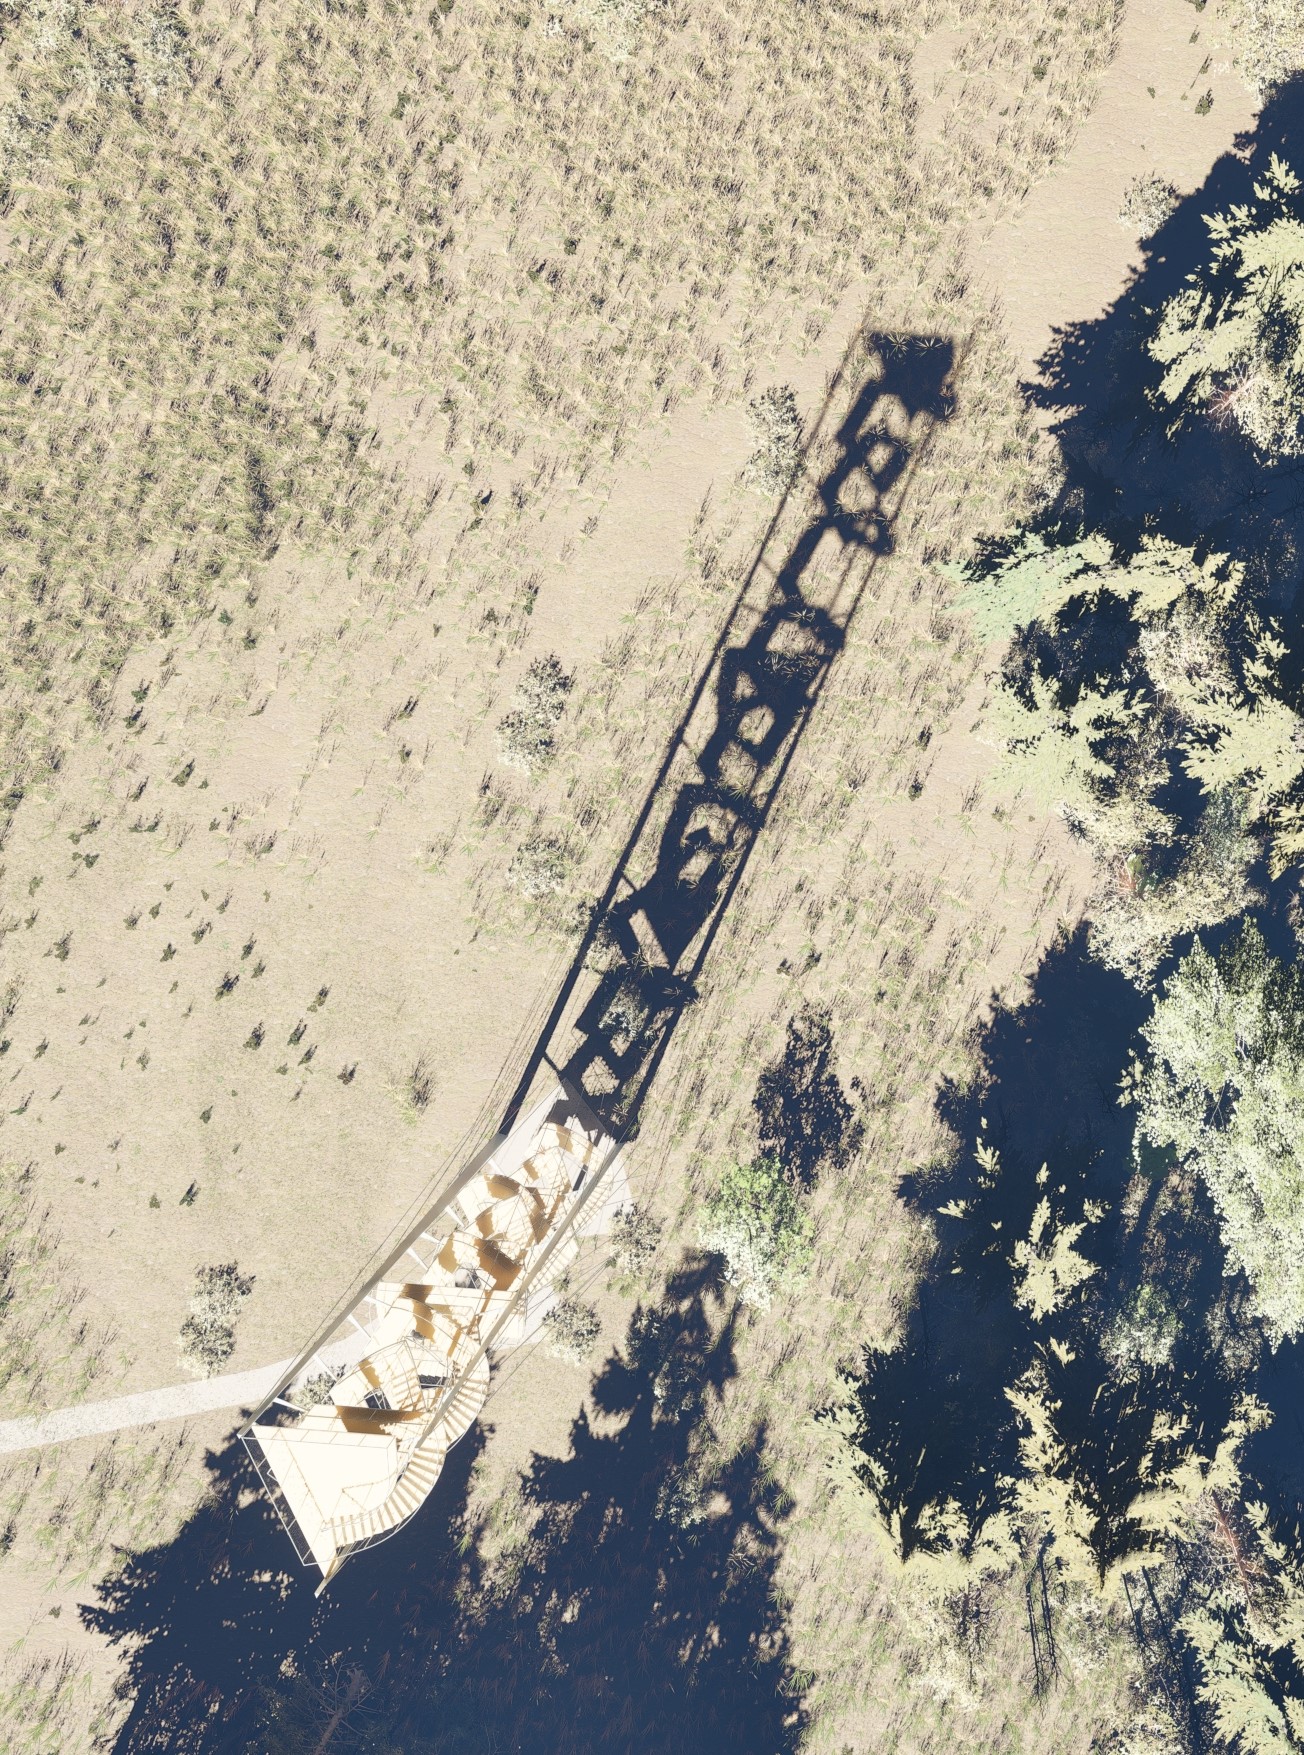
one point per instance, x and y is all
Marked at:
(1221, 1087)
(760, 1224)
(1231, 342)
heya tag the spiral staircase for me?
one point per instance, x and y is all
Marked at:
(353, 1441)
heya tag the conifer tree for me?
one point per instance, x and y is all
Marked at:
(1231, 342)
(1247, 1634)
(1221, 1088)
(1128, 674)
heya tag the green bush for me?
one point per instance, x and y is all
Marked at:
(526, 733)
(635, 1235)
(761, 1226)
(1147, 202)
(1145, 1329)
(571, 1329)
(540, 867)
(314, 1390)
(776, 428)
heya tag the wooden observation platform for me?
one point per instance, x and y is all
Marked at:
(353, 1439)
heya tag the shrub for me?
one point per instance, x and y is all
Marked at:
(653, 1346)
(159, 53)
(614, 23)
(314, 1390)
(208, 1332)
(776, 428)
(571, 1329)
(1147, 202)
(681, 1501)
(1145, 1329)
(635, 1235)
(759, 1223)
(805, 1117)
(540, 867)
(627, 1011)
(525, 733)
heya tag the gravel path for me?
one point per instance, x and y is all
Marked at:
(245, 1389)
(237, 1389)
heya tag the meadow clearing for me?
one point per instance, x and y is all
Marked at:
(353, 362)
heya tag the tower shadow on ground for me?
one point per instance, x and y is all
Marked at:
(640, 1612)
(652, 930)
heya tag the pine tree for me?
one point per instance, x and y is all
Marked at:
(1185, 684)
(1243, 736)
(1247, 1635)
(1221, 1087)
(1048, 1266)
(1231, 342)
(941, 1545)
(1036, 579)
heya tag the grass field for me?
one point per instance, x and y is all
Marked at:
(351, 359)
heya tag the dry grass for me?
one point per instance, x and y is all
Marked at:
(52, 1350)
(859, 899)
(320, 368)
(49, 1702)
(223, 275)
(65, 1514)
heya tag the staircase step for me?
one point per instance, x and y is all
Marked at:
(423, 1468)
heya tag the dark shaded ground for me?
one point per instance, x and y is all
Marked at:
(210, 1620)
(805, 1118)
(1207, 486)
(939, 1428)
(936, 1410)
(638, 1614)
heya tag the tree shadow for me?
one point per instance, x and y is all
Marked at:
(1050, 1067)
(804, 1116)
(1206, 486)
(636, 1610)
(213, 1620)
(1043, 1142)
(1274, 1457)
(642, 1614)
